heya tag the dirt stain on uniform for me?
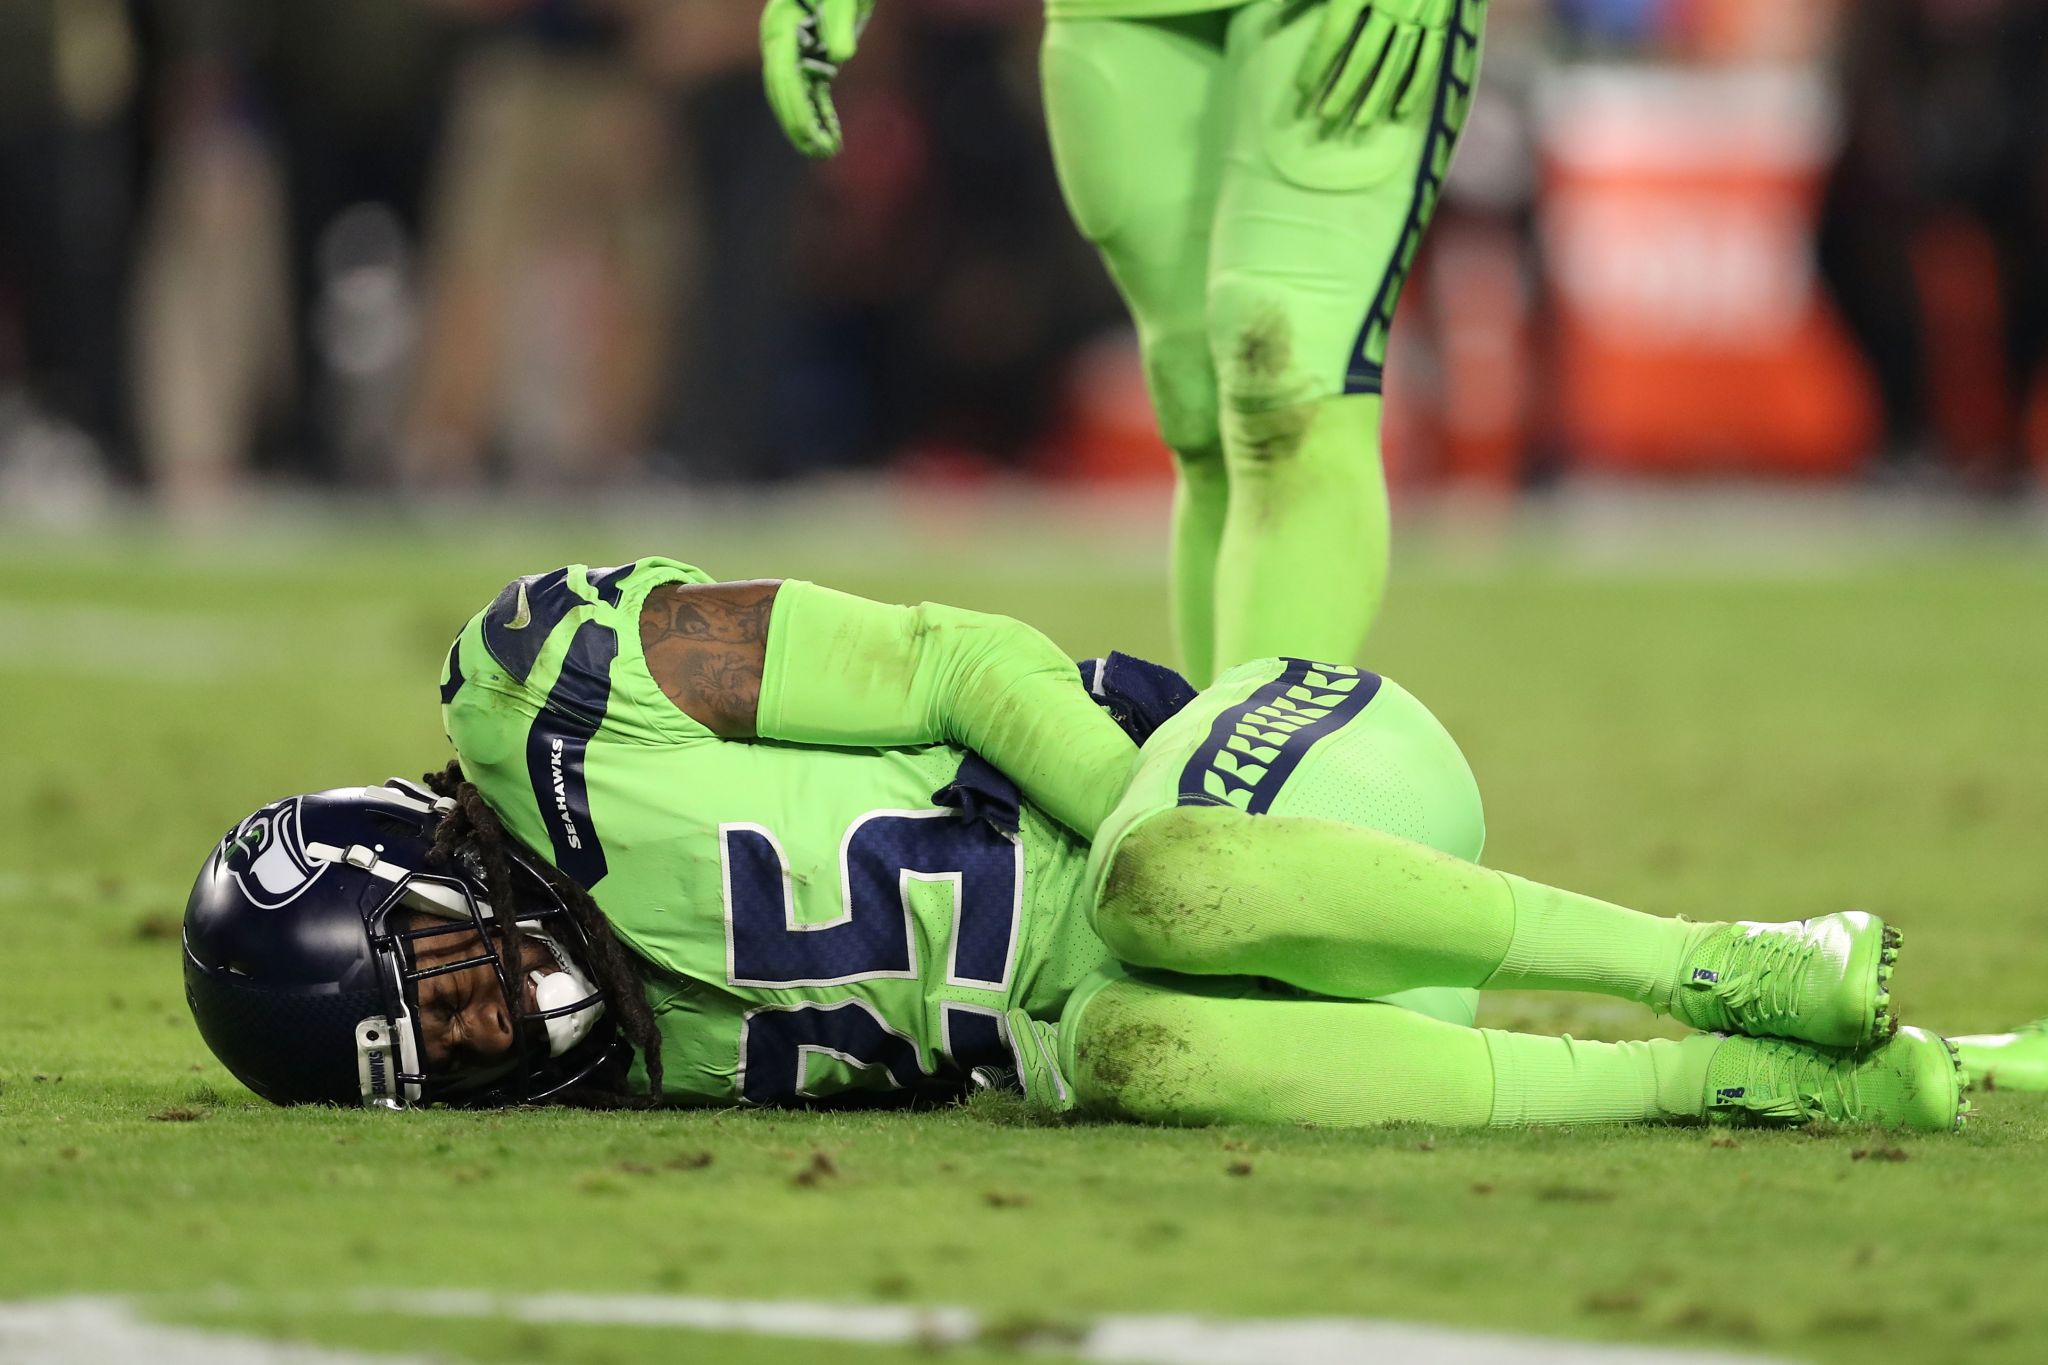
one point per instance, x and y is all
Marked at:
(1153, 885)
(1272, 437)
(1267, 423)
(1122, 1054)
(1265, 348)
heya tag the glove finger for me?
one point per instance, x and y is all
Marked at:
(1360, 65)
(1334, 36)
(838, 28)
(782, 75)
(1393, 76)
(826, 120)
(1428, 62)
(789, 88)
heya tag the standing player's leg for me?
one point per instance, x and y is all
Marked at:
(1314, 236)
(1134, 110)
(1180, 1051)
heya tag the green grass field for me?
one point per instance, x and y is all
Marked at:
(1847, 728)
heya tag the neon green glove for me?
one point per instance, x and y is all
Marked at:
(803, 45)
(1372, 59)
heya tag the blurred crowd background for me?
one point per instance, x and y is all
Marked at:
(442, 244)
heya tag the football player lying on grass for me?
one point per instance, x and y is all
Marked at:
(764, 843)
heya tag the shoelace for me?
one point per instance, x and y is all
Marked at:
(1805, 1081)
(1767, 969)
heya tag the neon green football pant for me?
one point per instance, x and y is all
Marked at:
(1261, 261)
(1291, 891)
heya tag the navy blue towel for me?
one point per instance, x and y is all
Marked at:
(1141, 696)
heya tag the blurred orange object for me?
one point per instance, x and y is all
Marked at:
(1678, 221)
(1752, 30)
(1955, 271)
(1106, 432)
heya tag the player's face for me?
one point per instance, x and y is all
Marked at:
(464, 1017)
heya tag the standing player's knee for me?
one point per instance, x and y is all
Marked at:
(1254, 345)
(1267, 381)
(1156, 908)
(1182, 383)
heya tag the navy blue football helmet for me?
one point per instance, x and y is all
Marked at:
(301, 958)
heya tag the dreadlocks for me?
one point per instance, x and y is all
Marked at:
(473, 830)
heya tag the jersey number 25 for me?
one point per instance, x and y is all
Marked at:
(873, 938)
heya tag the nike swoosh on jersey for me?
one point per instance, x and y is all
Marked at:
(523, 616)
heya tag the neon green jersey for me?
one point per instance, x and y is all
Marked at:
(815, 922)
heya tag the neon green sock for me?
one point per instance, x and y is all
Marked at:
(1195, 1052)
(1201, 497)
(1350, 911)
(1228, 1052)
(1563, 1080)
(1564, 941)
(1303, 562)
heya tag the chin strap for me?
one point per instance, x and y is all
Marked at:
(419, 798)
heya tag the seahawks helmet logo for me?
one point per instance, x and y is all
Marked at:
(266, 855)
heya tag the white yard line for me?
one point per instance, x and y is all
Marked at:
(79, 886)
(100, 1331)
(109, 1332)
(102, 642)
(1117, 1339)
(1072, 536)
(22, 885)
(167, 645)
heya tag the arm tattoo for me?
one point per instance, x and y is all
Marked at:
(705, 645)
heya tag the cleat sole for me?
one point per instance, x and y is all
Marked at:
(1884, 1024)
(1963, 1106)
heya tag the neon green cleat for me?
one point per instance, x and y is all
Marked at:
(1825, 980)
(1037, 1046)
(1914, 1081)
(2007, 1061)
